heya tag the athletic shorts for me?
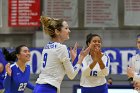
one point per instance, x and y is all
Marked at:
(44, 88)
(98, 89)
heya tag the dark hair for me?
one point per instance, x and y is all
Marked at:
(138, 36)
(50, 24)
(90, 36)
(110, 78)
(12, 56)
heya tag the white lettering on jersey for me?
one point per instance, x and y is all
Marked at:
(22, 86)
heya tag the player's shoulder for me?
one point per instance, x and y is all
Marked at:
(87, 59)
(13, 65)
(136, 56)
(54, 45)
(27, 65)
(106, 56)
(61, 46)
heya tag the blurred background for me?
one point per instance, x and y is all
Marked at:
(116, 21)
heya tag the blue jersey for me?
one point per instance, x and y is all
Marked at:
(2, 59)
(2, 75)
(18, 81)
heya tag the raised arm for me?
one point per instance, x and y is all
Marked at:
(7, 79)
(106, 64)
(87, 69)
(69, 69)
(7, 82)
(131, 70)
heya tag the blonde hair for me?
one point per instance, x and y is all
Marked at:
(50, 24)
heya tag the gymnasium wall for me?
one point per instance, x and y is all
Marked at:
(123, 36)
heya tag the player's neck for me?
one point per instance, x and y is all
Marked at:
(21, 65)
(57, 40)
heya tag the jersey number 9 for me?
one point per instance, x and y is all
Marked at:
(45, 59)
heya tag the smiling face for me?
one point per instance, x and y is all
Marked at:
(24, 54)
(57, 29)
(96, 42)
(64, 33)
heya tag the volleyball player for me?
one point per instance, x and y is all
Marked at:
(3, 62)
(55, 57)
(95, 67)
(2, 75)
(17, 74)
(134, 70)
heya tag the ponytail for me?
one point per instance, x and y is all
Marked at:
(10, 57)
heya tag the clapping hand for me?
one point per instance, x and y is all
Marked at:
(136, 85)
(96, 54)
(8, 69)
(84, 52)
(73, 51)
(130, 72)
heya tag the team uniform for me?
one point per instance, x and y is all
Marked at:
(18, 81)
(136, 64)
(2, 76)
(55, 64)
(93, 80)
(2, 59)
